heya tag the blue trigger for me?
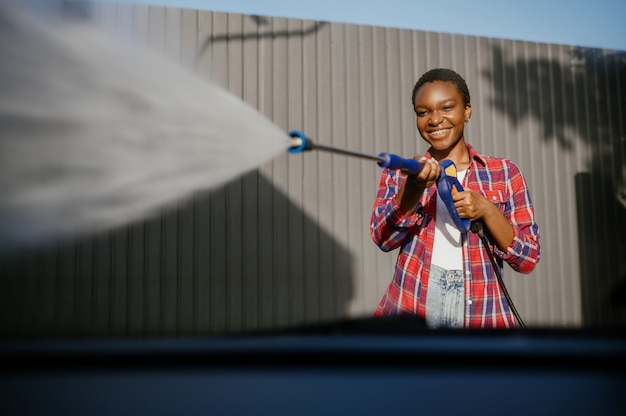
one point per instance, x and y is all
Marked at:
(445, 184)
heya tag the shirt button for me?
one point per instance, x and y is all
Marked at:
(494, 197)
(469, 301)
(467, 272)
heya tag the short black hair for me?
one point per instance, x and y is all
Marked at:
(445, 75)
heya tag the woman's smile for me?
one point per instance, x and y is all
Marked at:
(439, 133)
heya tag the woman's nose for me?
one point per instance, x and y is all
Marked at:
(434, 119)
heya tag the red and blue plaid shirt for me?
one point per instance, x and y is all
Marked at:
(500, 181)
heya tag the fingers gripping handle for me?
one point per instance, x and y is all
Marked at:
(410, 166)
(447, 184)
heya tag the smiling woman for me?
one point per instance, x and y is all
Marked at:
(441, 272)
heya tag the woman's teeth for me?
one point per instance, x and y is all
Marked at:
(439, 132)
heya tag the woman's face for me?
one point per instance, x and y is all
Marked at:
(441, 115)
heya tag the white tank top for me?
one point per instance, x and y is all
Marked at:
(447, 248)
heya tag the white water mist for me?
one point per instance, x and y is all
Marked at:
(96, 133)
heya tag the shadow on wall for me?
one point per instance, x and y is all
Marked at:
(271, 34)
(241, 258)
(581, 101)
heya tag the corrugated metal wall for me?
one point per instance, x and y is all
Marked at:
(289, 243)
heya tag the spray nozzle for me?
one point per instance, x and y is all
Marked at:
(299, 142)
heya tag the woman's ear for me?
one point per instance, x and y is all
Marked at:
(468, 112)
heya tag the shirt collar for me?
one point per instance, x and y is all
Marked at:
(474, 155)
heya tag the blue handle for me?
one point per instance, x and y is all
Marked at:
(446, 185)
(390, 161)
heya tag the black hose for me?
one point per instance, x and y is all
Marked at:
(477, 227)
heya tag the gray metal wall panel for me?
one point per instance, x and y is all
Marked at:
(289, 243)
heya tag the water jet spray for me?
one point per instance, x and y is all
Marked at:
(447, 183)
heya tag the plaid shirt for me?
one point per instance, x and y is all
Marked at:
(500, 181)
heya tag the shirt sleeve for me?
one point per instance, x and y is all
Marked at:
(388, 225)
(524, 252)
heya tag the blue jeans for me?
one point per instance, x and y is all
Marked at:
(444, 301)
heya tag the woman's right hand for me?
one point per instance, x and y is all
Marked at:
(414, 184)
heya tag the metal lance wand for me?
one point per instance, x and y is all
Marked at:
(447, 184)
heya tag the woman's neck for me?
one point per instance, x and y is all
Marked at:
(458, 154)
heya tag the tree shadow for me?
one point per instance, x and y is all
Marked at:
(582, 101)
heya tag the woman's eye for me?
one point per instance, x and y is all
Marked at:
(421, 113)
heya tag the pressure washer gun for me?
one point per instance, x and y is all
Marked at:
(447, 183)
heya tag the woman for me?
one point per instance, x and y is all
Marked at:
(443, 274)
